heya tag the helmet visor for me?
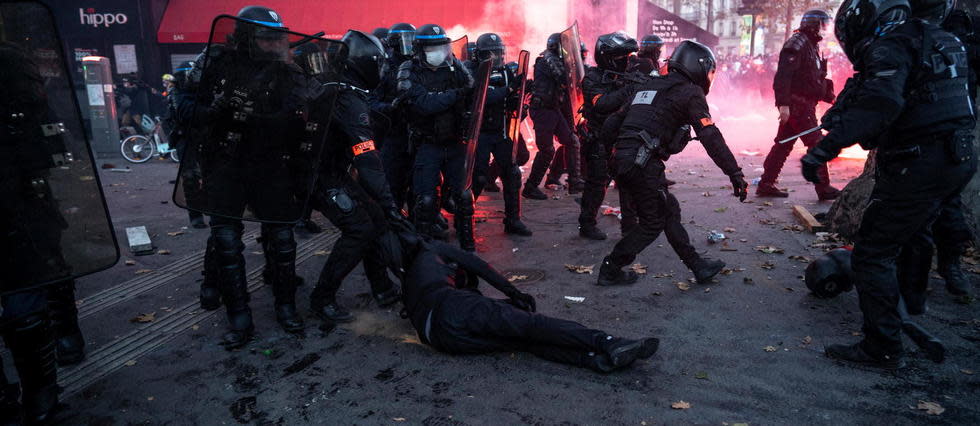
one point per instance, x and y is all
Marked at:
(437, 55)
(496, 55)
(405, 40)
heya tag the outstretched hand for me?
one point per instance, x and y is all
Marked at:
(523, 301)
(740, 187)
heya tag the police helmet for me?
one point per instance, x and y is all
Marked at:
(830, 275)
(814, 20)
(694, 61)
(859, 22)
(554, 43)
(650, 47)
(366, 58)
(612, 51)
(432, 45)
(933, 11)
(490, 44)
(401, 39)
(269, 24)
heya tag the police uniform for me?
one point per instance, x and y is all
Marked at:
(397, 152)
(549, 98)
(909, 101)
(800, 83)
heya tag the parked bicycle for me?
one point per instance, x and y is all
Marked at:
(141, 148)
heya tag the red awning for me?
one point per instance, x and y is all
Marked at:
(189, 21)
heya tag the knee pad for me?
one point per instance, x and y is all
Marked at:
(278, 240)
(464, 203)
(227, 244)
(425, 206)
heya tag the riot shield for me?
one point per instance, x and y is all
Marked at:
(459, 48)
(571, 53)
(479, 99)
(261, 115)
(515, 115)
(53, 216)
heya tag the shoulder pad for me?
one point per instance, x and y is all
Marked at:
(405, 70)
(795, 43)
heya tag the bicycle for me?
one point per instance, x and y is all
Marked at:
(140, 148)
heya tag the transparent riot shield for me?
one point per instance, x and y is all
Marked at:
(481, 80)
(571, 52)
(459, 48)
(515, 115)
(259, 123)
(53, 214)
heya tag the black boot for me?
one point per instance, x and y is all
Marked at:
(70, 347)
(240, 329)
(533, 192)
(516, 227)
(512, 207)
(575, 186)
(705, 269)
(329, 310)
(856, 355)
(286, 313)
(591, 233)
(32, 346)
(948, 266)
(610, 275)
(464, 233)
(388, 297)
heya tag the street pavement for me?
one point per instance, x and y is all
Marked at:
(744, 349)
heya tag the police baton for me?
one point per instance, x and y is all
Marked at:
(305, 40)
(801, 134)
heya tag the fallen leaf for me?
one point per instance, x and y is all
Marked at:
(680, 405)
(683, 286)
(130, 363)
(515, 278)
(399, 419)
(807, 340)
(86, 178)
(150, 398)
(576, 299)
(801, 259)
(721, 209)
(769, 349)
(195, 327)
(639, 268)
(143, 271)
(968, 372)
(150, 317)
(729, 230)
(768, 266)
(707, 194)
(164, 252)
(769, 249)
(663, 275)
(701, 375)
(931, 408)
(580, 269)
(130, 262)
(767, 203)
(175, 233)
(321, 253)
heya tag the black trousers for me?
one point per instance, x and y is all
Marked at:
(495, 143)
(801, 118)
(361, 221)
(399, 158)
(909, 194)
(465, 322)
(548, 125)
(657, 211)
(597, 179)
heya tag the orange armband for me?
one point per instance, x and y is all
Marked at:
(366, 146)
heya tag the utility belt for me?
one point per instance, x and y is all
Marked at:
(957, 145)
(418, 138)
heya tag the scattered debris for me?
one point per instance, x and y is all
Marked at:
(86, 178)
(144, 318)
(683, 286)
(576, 299)
(580, 269)
(726, 247)
(930, 408)
(729, 230)
(701, 375)
(749, 153)
(807, 340)
(768, 266)
(175, 233)
(680, 405)
(721, 209)
(748, 280)
(663, 275)
(801, 259)
(966, 371)
(769, 349)
(130, 262)
(715, 237)
(130, 363)
(707, 194)
(163, 252)
(811, 223)
(139, 240)
(143, 271)
(516, 278)
(639, 268)
(769, 249)
(321, 252)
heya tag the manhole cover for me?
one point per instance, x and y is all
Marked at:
(523, 276)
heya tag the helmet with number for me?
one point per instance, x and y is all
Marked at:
(613, 50)
(433, 45)
(814, 21)
(554, 43)
(269, 25)
(490, 46)
(694, 61)
(366, 59)
(934, 11)
(401, 39)
(859, 22)
(650, 47)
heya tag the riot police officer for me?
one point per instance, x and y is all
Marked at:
(501, 97)
(800, 83)
(358, 208)
(435, 88)
(548, 100)
(919, 116)
(645, 133)
(253, 66)
(612, 54)
(647, 60)
(397, 153)
(381, 33)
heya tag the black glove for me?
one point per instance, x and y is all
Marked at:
(813, 161)
(523, 301)
(397, 220)
(740, 187)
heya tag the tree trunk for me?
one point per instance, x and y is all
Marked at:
(710, 16)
